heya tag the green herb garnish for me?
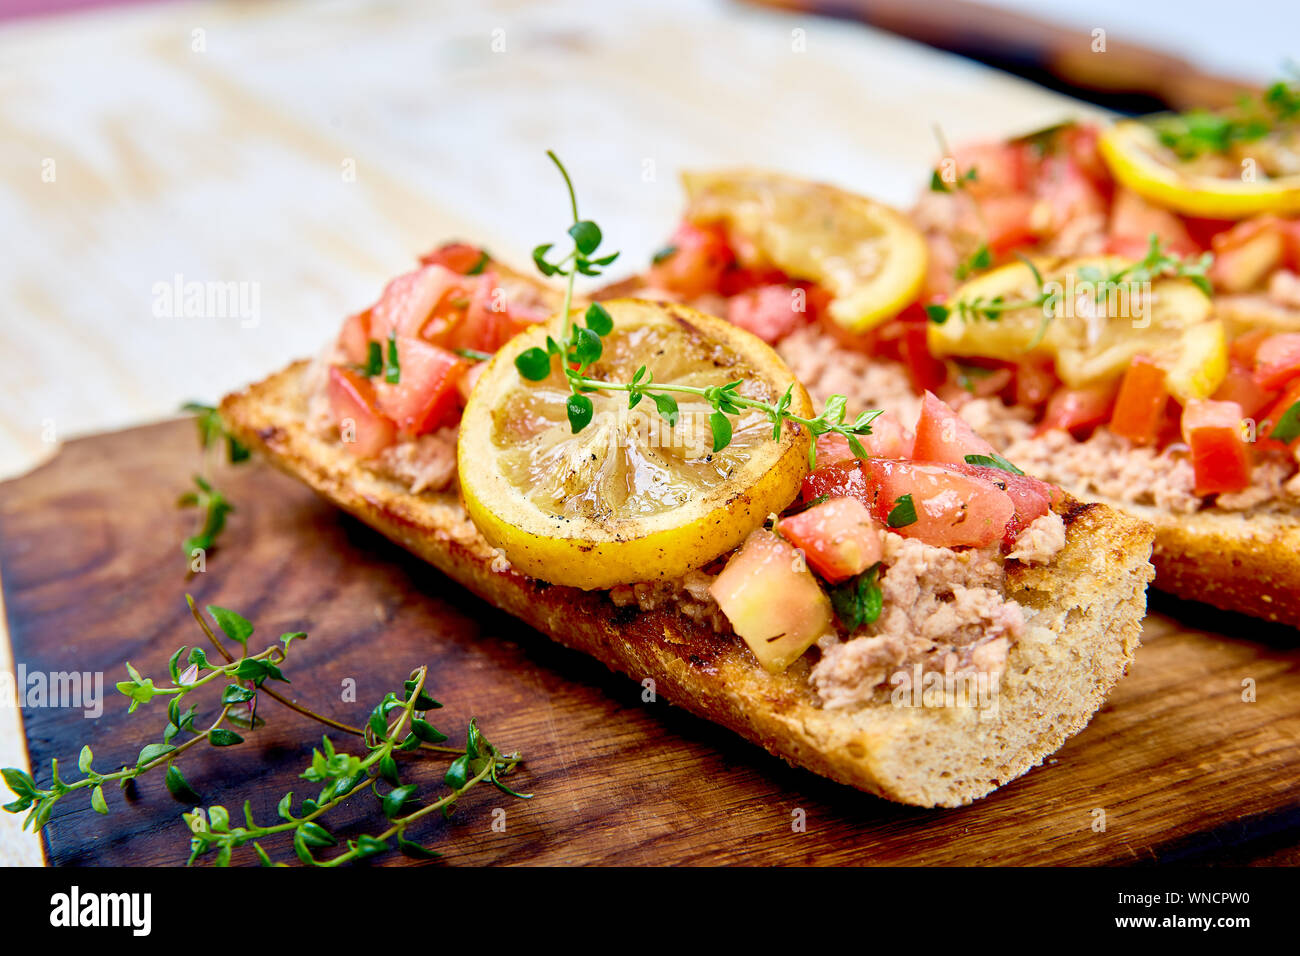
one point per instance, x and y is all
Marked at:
(903, 513)
(396, 726)
(1156, 264)
(581, 346)
(858, 601)
(993, 461)
(374, 359)
(393, 367)
(1287, 428)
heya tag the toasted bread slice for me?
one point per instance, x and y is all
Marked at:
(1083, 614)
(1237, 561)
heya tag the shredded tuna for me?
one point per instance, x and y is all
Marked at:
(1110, 466)
(1040, 542)
(427, 463)
(942, 609)
(826, 369)
(688, 595)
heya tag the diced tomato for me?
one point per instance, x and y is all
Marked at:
(697, 257)
(952, 509)
(1140, 405)
(1247, 253)
(1290, 229)
(999, 168)
(365, 430)
(942, 435)
(409, 301)
(427, 396)
(1244, 347)
(1277, 360)
(465, 384)
(736, 279)
(924, 371)
(1290, 396)
(772, 601)
(888, 439)
(1065, 194)
(838, 537)
(771, 312)
(1240, 386)
(1220, 459)
(1132, 222)
(1031, 497)
(1080, 143)
(354, 340)
(1008, 222)
(1078, 409)
(1035, 381)
(459, 257)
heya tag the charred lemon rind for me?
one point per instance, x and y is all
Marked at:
(595, 553)
(869, 256)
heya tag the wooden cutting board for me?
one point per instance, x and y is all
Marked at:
(1183, 768)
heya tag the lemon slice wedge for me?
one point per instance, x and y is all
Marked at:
(868, 256)
(1091, 337)
(629, 498)
(1138, 160)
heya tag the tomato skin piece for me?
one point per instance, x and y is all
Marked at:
(1245, 347)
(924, 371)
(952, 509)
(1220, 458)
(410, 301)
(352, 399)
(1078, 409)
(943, 436)
(1031, 496)
(1133, 220)
(1141, 403)
(768, 311)
(1247, 253)
(459, 257)
(1001, 168)
(354, 339)
(838, 537)
(427, 396)
(1239, 386)
(1277, 360)
(1065, 193)
(1275, 412)
(888, 439)
(1009, 222)
(701, 253)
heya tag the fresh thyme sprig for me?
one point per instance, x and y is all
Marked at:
(396, 725)
(212, 504)
(1199, 131)
(1157, 263)
(584, 345)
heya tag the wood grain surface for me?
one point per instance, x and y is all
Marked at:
(1183, 769)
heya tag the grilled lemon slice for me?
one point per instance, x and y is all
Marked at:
(628, 498)
(1137, 159)
(1092, 337)
(867, 255)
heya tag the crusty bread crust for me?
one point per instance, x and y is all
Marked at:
(1245, 561)
(1084, 614)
